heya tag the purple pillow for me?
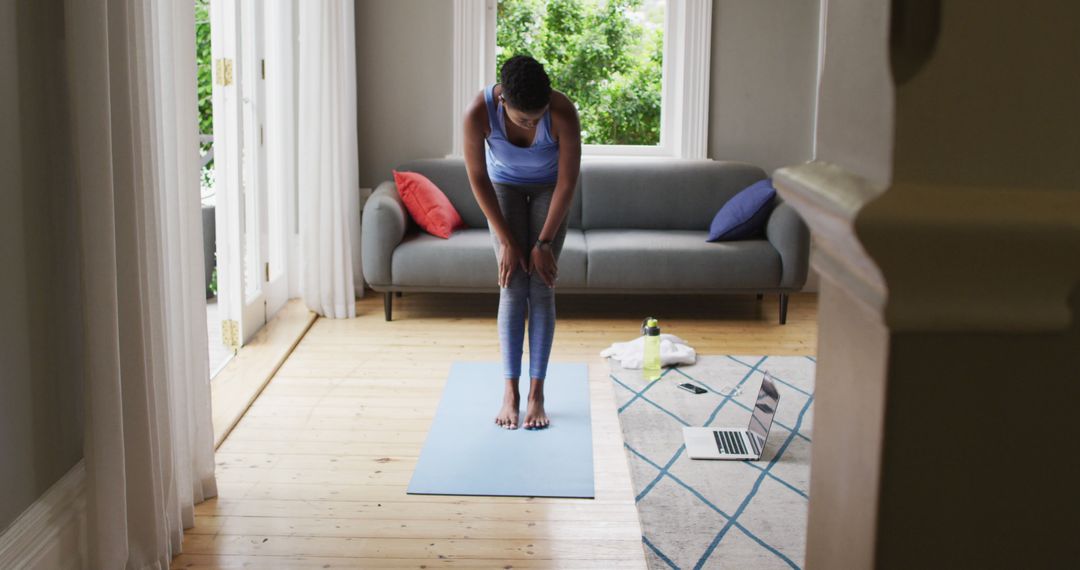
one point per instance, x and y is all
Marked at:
(744, 215)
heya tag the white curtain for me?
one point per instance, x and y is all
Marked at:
(327, 167)
(149, 441)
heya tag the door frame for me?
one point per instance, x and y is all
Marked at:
(252, 191)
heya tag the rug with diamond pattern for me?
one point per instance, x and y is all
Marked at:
(718, 514)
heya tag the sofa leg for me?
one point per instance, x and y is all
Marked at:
(388, 301)
(760, 296)
(783, 308)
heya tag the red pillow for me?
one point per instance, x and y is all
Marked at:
(427, 204)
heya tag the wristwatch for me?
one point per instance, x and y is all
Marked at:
(543, 244)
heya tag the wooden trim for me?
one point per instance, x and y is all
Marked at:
(48, 534)
(686, 78)
(1010, 250)
(830, 198)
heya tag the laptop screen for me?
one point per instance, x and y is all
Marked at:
(764, 410)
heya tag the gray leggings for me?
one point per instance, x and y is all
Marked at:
(525, 208)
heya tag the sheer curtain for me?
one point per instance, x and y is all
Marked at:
(149, 441)
(327, 167)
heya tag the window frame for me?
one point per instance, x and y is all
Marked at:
(684, 107)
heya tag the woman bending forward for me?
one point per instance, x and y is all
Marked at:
(524, 179)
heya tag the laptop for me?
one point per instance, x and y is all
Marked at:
(735, 443)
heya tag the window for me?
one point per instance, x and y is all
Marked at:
(606, 55)
(638, 70)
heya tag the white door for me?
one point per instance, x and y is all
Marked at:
(250, 218)
(279, 42)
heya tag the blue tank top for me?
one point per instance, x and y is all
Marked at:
(508, 163)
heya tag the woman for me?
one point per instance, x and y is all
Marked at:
(524, 183)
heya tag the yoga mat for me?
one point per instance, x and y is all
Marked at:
(467, 453)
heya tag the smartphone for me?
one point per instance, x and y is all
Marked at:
(691, 388)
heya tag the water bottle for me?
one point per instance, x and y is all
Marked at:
(651, 362)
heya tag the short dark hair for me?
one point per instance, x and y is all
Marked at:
(526, 85)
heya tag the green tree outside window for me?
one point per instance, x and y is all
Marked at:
(202, 57)
(204, 89)
(606, 55)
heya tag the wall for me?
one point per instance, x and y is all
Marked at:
(763, 81)
(40, 382)
(404, 73)
(855, 109)
(1010, 118)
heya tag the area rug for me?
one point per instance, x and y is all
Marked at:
(718, 514)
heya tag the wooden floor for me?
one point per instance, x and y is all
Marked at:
(234, 388)
(314, 475)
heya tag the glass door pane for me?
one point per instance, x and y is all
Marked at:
(251, 187)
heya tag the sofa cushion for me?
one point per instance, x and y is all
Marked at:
(467, 259)
(427, 204)
(451, 176)
(678, 259)
(657, 195)
(745, 214)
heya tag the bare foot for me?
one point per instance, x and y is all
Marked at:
(535, 417)
(508, 415)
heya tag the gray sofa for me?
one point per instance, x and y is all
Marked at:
(634, 227)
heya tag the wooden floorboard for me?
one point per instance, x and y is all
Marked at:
(238, 384)
(314, 474)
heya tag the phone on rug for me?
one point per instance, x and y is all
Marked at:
(691, 388)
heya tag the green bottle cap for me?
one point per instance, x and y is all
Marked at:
(650, 327)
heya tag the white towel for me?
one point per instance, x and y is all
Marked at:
(673, 350)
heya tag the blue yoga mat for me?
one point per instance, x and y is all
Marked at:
(467, 453)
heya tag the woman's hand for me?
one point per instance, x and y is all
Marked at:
(543, 262)
(511, 257)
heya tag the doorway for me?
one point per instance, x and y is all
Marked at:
(247, 143)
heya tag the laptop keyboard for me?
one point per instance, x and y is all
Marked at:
(729, 443)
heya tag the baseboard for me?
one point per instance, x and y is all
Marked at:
(49, 534)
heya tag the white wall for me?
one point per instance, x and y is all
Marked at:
(1028, 84)
(14, 346)
(763, 81)
(40, 328)
(855, 110)
(404, 79)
